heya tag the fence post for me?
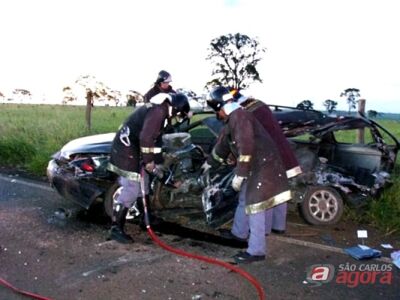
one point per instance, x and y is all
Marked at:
(360, 132)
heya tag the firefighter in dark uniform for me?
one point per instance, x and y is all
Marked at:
(277, 222)
(161, 85)
(137, 143)
(259, 174)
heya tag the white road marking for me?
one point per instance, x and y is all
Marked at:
(318, 246)
(26, 182)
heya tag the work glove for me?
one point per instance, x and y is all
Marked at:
(237, 182)
(154, 169)
(205, 167)
(150, 166)
(158, 171)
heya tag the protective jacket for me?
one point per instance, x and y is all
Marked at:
(257, 159)
(264, 115)
(139, 140)
(156, 90)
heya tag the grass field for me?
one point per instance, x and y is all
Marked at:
(30, 134)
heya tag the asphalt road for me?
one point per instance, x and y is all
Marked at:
(67, 256)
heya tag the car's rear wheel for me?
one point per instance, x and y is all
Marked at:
(322, 205)
(110, 198)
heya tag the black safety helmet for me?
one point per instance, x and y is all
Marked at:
(180, 104)
(163, 76)
(218, 97)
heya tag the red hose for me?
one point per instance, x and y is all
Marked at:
(29, 294)
(180, 252)
(247, 276)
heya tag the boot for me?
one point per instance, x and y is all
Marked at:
(117, 231)
(139, 206)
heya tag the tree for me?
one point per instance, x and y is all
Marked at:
(372, 114)
(235, 57)
(134, 97)
(330, 105)
(94, 89)
(69, 95)
(305, 104)
(21, 94)
(113, 98)
(352, 94)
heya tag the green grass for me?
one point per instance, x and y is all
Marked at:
(30, 134)
(383, 212)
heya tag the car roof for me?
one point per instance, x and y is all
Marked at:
(297, 121)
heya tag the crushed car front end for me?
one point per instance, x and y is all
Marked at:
(78, 171)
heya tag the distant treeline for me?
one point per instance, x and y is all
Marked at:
(380, 116)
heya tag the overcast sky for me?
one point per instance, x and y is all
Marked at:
(315, 49)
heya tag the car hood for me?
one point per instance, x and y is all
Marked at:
(99, 143)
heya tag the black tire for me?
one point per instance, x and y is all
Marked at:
(322, 205)
(109, 198)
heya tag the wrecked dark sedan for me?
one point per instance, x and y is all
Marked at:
(335, 171)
